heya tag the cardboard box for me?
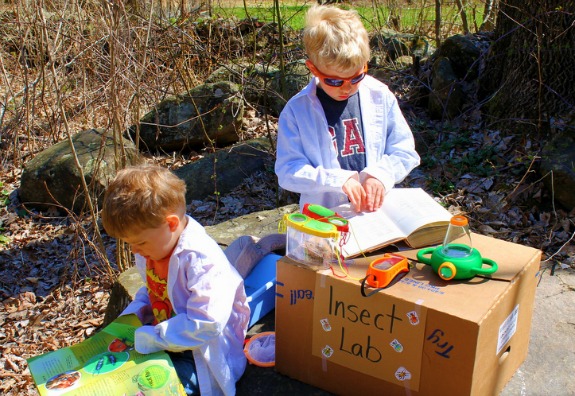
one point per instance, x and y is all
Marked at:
(260, 287)
(421, 336)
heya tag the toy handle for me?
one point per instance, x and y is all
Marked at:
(487, 271)
(423, 252)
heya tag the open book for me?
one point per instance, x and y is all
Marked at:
(105, 364)
(407, 214)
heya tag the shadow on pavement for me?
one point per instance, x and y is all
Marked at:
(266, 381)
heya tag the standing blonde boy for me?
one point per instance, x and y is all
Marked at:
(193, 304)
(343, 137)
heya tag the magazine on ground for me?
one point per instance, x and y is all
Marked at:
(105, 364)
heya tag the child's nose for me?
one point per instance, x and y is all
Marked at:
(347, 86)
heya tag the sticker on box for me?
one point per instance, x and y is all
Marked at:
(396, 345)
(507, 329)
(413, 318)
(327, 351)
(402, 374)
(325, 324)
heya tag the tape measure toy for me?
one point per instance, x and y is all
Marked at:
(384, 271)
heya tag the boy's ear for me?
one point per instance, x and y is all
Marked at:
(173, 222)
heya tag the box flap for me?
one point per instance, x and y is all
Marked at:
(423, 287)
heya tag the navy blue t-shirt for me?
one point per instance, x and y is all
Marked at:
(345, 127)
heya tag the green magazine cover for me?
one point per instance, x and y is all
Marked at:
(106, 364)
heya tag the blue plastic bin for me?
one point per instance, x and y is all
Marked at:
(260, 287)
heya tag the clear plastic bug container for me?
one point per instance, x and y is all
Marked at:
(311, 242)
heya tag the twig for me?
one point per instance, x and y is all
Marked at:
(561, 248)
(524, 177)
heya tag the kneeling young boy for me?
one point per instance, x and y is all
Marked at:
(193, 304)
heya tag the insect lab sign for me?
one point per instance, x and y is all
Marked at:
(379, 335)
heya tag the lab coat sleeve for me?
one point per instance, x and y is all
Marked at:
(140, 305)
(208, 308)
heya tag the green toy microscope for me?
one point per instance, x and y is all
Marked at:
(456, 258)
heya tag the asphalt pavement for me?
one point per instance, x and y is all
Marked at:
(550, 363)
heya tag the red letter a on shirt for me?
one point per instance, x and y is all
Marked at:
(353, 142)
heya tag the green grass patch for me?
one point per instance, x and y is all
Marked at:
(374, 18)
(292, 16)
(440, 186)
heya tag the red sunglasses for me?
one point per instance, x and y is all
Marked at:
(336, 81)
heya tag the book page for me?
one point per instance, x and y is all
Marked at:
(367, 230)
(404, 211)
(413, 208)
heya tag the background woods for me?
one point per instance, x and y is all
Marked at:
(485, 86)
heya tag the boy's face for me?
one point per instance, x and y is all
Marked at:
(350, 81)
(156, 243)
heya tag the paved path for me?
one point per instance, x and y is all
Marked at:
(550, 365)
(548, 370)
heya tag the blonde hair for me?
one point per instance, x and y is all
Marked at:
(335, 38)
(141, 197)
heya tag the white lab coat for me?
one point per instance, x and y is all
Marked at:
(306, 161)
(212, 314)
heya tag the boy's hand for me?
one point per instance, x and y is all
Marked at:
(355, 192)
(145, 314)
(374, 194)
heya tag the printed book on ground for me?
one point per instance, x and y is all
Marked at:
(408, 214)
(105, 364)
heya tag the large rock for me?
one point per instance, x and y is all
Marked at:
(454, 74)
(208, 114)
(52, 179)
(447, 97)
(557, 167)
(265, 85)
(258, 224)
(286, 85)
(395, 44)
(463, 52)
(254, 80)
(222, 171)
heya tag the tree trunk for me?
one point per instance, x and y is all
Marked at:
(489, 13)
(438, 23)
(530, 70)
(463, 16)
